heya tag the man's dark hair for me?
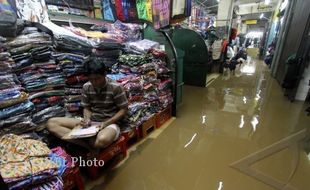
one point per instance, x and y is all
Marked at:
(94, 65)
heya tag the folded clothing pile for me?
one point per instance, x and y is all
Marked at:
(73, 69)
(128, 32)
(134, 88)
(150, 86)
(26, 162)
(65, 166)
(66, 43)
(118, 32)
(55, 183)
(138, 112)
(131, 63)
(146, 80)
(30, 37)
(108, 53)
(15, 108)
(41, 76)
(164, 93)
(38, 73)
(48, 104)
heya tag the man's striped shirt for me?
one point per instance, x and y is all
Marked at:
(105, 102)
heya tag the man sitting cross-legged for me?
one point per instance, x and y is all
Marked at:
(104, 101)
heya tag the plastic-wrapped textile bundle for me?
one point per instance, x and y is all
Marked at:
(144, 45)
(36, 39)
(138, 113)
(165, 98)
(71, 44)
(134, 60)
(130, 32)
(120, 32)
(26, 162)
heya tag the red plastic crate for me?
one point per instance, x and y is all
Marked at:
(117, 148)
(132, 137)
(72, 179)
(148, 126)
(163, 116)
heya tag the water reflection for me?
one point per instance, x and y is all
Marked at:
(248, 69)
(254, 122)
(203, 119)
(220, 186)
(241, 122)
(193, 137)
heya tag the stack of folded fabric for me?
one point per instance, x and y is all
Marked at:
(66, 43)
(38, 73)
(133, 87)
(131, 63)
(73, 69)
(146, 80)
(48, 104)
(128, 32)
(164, 93)
(118, 32)
(141, 96)
(123, 32)
(55, 183)
(164, 84)
(137, 114)
(25, 162)
(108, 53)
(15, 108)
(32, 38)
(150, 95)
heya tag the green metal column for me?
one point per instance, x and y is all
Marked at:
(196, 58)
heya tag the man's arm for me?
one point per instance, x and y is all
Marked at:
(86, 113)
(118, 116)
(86, 104)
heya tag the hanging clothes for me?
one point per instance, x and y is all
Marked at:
(188, 11)
(161, 13)
(132, 10)
(178, 7)
(119, 10)
(109, 10)
(144, 9)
